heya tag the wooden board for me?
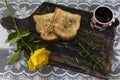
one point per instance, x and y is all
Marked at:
(64, 53)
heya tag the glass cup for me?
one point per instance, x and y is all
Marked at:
(102, 17)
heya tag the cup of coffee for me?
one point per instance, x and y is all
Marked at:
(102, 17)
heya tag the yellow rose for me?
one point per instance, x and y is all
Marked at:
(38, 59)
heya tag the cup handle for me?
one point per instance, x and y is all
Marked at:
(115, 22)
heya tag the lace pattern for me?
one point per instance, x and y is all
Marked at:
(19, 71)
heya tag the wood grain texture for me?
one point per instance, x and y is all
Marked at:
(65, 55)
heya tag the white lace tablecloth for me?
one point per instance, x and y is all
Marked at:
(19, 70)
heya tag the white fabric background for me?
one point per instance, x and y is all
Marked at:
(18, 71)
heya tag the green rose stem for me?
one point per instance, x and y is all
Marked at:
(16, 27)
(12, 17)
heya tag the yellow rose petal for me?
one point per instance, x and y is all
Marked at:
(46, 52)
(43, 58)
(45, 61)
(38, 59)
(38, 52)
(31, 66)
(33, 60)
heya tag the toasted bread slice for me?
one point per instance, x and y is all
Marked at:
(66, 24)
(44, 26)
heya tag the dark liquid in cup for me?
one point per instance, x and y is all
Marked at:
(103, 14)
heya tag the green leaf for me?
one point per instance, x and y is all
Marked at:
(20, 44)
(13, 37)
(38, 45)
(30, 37)
(77, 60)
(41, 45)
(81, 53)
(36, 41)
(14, 58)
(24, 33)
